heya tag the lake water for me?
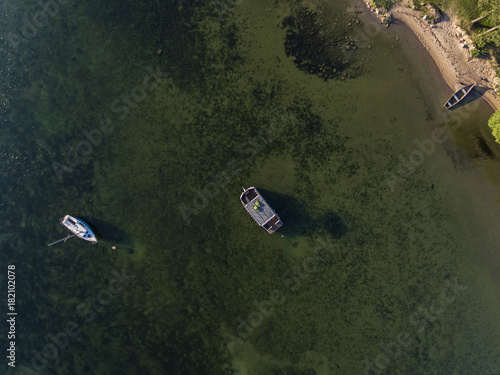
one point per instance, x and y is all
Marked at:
(146, 119)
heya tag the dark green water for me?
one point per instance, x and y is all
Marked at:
(381, 267)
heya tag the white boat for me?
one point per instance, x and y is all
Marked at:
(260, 210)
(78, 228)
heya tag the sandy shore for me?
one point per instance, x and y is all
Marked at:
(449, 47)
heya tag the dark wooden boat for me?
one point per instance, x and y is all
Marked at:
(459, 95)
(260, 210)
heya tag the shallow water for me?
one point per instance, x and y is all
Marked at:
(146, 119)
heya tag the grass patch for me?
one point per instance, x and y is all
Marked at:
(386, 4)
(475, 53)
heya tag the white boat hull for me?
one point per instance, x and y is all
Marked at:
(79, 228)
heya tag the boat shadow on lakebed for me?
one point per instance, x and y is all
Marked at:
(296, 219)
(105, 231)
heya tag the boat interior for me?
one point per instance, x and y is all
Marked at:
(248, 196)
(273, 224)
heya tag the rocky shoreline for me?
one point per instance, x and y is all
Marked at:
(449, 46)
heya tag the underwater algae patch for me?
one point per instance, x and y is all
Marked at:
(318, 39)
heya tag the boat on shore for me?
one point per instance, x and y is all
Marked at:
(459, 95)
(260, 210)
(78, 228)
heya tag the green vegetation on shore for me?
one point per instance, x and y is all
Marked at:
(481, 19)
(478, 17)
(386, 4)
(494, 124)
